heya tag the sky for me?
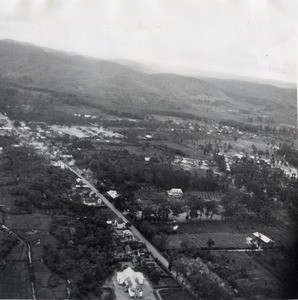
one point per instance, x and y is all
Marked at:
(255, 38)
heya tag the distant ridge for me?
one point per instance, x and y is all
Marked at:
(132, 84)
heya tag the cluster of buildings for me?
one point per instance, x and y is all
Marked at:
(88, 196)
(189, 163)
(259, 240)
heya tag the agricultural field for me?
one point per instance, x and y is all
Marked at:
(253, 275)
(151, 196)
(85, 131)
(15, 281)
(177, 294)
(221, 239)
(208, 196)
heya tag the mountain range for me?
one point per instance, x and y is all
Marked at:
(109, 81)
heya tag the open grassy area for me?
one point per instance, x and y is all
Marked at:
(15, 282)
(170, 294)
(221, 239)
(253, 275)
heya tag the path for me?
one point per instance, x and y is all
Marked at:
(29, 254)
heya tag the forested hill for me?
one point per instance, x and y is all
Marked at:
(112, 83)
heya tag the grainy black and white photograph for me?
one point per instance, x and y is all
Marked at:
(148, 149)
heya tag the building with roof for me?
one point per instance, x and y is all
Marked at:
(113, 194)
(263, 237)
(119, 223)
(127, 234)
(175, 193)
(132, 282)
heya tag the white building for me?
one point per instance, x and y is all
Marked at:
(58, 164)
(127, 234)
(113, 194)
(132, 281)
(119, 223)
(262, 237)
(175, 193)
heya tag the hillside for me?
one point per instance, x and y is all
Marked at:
(113, 84)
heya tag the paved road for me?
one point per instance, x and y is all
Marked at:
(134, 230)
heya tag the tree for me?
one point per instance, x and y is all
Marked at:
(210, 242)
(154, 276)
(210, 207)
(16, 124)
(193, 214)
(160, 240)
(148, 229)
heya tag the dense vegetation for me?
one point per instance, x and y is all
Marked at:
(37, 185)
(289, 153)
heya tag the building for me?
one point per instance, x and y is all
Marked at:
(265, 239)
(113, 194)
(88, 173)
(175, 193)
(127, 234)
(90, 202)
(119, 223)
(128, 250)
(58, 164)
(132, 282)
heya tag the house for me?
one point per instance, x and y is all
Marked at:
(113, 194)
(119, 254)
(88, 173)
(175, 193)
(263, 237)
(132, 281)
(72, 230)
(119, 223)
(128, 250)
(127, 234)
(58, 164)
(90, 202)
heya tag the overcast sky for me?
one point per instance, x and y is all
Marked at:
(254, 38)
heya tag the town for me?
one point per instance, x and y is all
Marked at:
(148, 150)
(171, 197)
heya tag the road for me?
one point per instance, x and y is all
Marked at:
(133, 229)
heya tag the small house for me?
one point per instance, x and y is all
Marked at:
(128, 250)
(88, 173)
(177, 193)
(127, 234)
(113, 194)
(90, 202)
(265, 239)
(119, 223)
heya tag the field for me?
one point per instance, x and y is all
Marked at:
(206, 227)
(151, 196)
(84, 131)
(254, 275)
(205, 195)
(14, 276)
(177, 294)
(222, 239)
(15, 282)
